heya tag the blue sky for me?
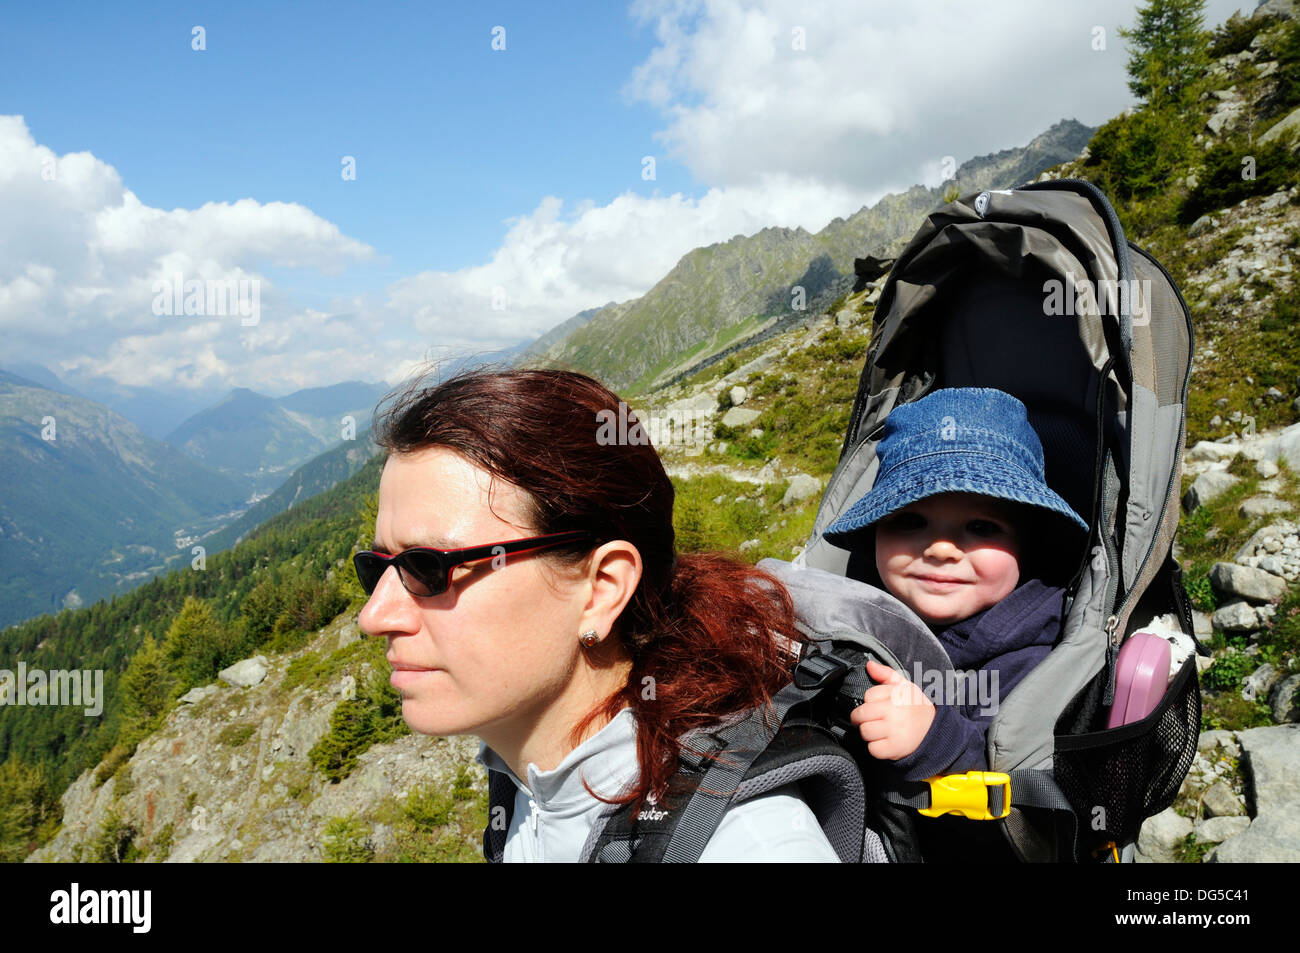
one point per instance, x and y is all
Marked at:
(497, 192)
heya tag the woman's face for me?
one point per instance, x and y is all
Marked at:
(497, 655)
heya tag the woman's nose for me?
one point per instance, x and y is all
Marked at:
(389, 607)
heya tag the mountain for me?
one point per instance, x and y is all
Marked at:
(726, 291)
(260, 439)
(91, 506)
(316, 476)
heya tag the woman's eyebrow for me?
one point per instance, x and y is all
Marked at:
(434, 543)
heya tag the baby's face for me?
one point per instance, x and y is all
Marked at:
(949, 556)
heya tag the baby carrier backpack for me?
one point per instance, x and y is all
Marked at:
(1036, 292)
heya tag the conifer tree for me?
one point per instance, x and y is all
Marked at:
(1168, 50)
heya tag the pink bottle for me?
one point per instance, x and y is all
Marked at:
(1141, 676)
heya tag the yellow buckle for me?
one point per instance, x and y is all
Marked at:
(1111, 848)
(967, 794)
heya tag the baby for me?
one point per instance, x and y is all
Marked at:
(957, 509)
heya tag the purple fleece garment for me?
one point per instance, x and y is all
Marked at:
(1009, 638)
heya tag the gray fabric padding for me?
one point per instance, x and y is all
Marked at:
(840, 817)
(1021, 735)
(829, 606)
(1150, 468)
(873, 848)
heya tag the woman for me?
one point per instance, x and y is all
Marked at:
(557, 624)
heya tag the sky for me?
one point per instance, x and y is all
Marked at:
(399, 182)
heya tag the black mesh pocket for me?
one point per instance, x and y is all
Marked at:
(1117, 778)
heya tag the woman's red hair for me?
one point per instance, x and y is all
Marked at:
(700, 627)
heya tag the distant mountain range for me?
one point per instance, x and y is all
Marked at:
(90, 505)
(726, 291)
(261, 439)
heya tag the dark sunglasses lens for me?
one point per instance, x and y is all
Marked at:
(369, 568)
(422, 573)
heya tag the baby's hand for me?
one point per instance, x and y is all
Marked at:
(894, 715)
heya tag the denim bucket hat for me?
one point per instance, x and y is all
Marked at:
(958, 440)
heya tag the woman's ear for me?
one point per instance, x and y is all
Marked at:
(613, 573)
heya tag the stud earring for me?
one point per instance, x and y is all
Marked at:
(589, 638)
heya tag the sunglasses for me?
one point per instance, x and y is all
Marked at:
(427, 572)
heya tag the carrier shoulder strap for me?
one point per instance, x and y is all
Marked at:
(766, 749)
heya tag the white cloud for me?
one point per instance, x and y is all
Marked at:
(80, 255)
(880, 90)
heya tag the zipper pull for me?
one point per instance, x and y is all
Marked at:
(532, 814)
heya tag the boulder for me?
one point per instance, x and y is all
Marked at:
(1218, 738)
(1206, 487)
(1271, 758)
(1218, 829)
(245, 674)
(1277, 531)
(1287, 447)
(1162, 835)
(196, 695)
(1257, 683)
(1208, 451)
(802, 486)
(1274, 838)
(1286, 126)
(740, 417)
(1246, 582)
(1202, 225)
(1236, 616)
(738, 395)
(1285, 700)
(1219, 800)
(1258, 506)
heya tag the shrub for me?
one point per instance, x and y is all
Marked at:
(1224, 180)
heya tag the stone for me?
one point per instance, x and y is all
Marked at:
(1284, 699)
(1271, 760)
(1202, 626)
(1202, 225)
(1275, 200)
(1216, 421)
(1287, 447)
(1216, 830)
(1162, 835)
(1236, 616)
(802, 486)
(844, 318)
(1290, 124)
(1266, 469)
(1209, 450)
(1206, 487)
(1259, 506)
(740, 417)
(196, 695)
(245, 674)
(1218, 738)
(1258, 682)
(738, 395)
(1274, 838)
(749, 544)
(1247, 583)
(1271, 563)
(1219, 800)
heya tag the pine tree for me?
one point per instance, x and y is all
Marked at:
(147, 686)
(197, 644)
(1168, 50)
